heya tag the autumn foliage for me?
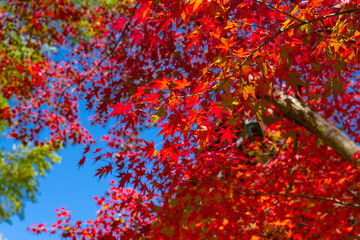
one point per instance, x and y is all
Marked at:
(198, 71)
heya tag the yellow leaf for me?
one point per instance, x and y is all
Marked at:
(159, 114)
(235, 103)
(255, 238)
(154, 119)
(248, 91)
(288, 233)
(197, 4)
(295, 10)
(183, 16)
(246, 69)
(67, 228)
(286, 24)
(264, 67)
(336, 45)
(340, 25)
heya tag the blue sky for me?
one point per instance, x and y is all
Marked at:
(65, 186)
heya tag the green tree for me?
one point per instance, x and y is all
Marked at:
(20, 170)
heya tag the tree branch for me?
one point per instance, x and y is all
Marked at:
(315, 123)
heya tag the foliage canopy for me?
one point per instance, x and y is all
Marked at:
(198, 71)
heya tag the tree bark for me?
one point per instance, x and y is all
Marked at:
(315, 123)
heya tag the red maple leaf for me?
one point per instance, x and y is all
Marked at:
(119, 25)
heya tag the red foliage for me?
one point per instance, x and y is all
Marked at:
(199, 70)
(118, 216)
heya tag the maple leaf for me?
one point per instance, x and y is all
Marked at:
(196, 3)
(137, 36)
(161, 84)
(240, 52)
(97, 150)
(295, 82)
(119, 109)
(86, 149)
(158, 115)
(335, 86)
(227, 135)
(180, 84)
(119, 25)
(149, 149)
(82, 161)
(190, 43)
(103, 171)
(226, 45)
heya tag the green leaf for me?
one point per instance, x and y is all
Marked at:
(159, 114)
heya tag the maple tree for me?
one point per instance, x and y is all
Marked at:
(31, 33)
(199, 70)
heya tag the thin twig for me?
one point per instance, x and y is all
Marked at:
(279, 10)
(256, 193)
(277, 34)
